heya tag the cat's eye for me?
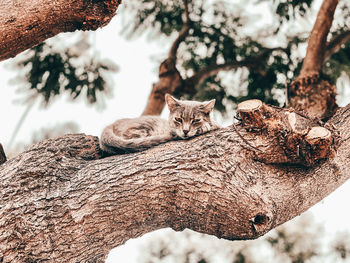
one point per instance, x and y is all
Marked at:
(195, 121)
(178, 120)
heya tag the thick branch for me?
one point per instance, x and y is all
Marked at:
(310, 92)
(315, 53)
(24, 24)
(293, 138)
(61, 203)
(335, 44)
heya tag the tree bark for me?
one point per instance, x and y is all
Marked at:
(311, 92)
(24, 24)
(317, 44)
(61, 202)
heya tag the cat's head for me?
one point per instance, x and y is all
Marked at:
(189, 118)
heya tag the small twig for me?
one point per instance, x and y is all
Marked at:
(335, 44)
(2, 155)
(243, 139)
(301, 114)
(31, 101)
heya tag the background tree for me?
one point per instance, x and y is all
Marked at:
(79, 180)
(57, 130)
(300, 240)
(46, 71)
(212, 55)
(211, 39)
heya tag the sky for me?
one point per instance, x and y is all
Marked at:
(132, 85)
(138, 60)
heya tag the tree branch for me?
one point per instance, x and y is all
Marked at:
(252, 63)
(24, 24)
(310, 92)
(213, 70)
(182, 34)
(60, 201)
(2, 155)
(335, 44)
(170, 79)
(315, 53)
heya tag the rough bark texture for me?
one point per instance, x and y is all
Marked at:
(24, 24)
(60, 201)
(313, 95)
(310, 92)
(293, 138)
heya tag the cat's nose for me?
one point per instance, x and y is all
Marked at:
(185, 132)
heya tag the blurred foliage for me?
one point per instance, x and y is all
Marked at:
(342, 246)
(298, 241)
(54, 131)
(269, 34)
(291, 9)
(221, 33)
(51, 72)
(338, 63)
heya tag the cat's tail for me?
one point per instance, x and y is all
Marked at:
(114, 144)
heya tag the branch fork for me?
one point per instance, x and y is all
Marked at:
(277, 135)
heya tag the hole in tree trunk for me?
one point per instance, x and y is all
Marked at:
(260, 219)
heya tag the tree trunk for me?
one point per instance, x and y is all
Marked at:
(311, 92)
(24, 24)
(62, 203)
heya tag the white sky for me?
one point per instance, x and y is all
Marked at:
(132, 85)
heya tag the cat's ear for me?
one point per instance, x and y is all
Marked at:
(207, 106)
(171, 101)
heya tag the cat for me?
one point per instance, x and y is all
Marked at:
(186, 119)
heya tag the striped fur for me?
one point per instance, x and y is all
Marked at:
(136, 134)
(186, 119)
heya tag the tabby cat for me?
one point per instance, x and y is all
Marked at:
(186, 119)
